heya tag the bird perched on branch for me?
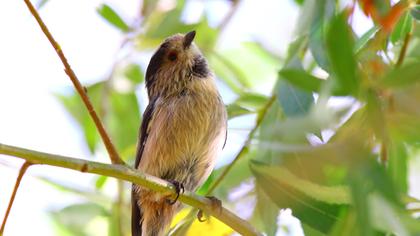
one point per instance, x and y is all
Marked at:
(182, 132)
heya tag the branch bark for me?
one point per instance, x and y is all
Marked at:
(124, 172)
(113, 155)
(22, 172)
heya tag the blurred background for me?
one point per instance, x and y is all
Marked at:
(313, 149)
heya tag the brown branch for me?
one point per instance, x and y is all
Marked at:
(12, 197)
(403, 50)
(115, 158)
(229, 15)
(245, 148)
(404, 47)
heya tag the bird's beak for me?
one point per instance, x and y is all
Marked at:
(188, 38)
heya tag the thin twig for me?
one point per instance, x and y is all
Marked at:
(12, 197)
(403, 49)
(130, 174)
(228, 16)
(245, 148)
(115, 158)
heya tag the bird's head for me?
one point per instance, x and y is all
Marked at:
(176, 61)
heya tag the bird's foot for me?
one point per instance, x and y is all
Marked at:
(179, 188)
(216, 205)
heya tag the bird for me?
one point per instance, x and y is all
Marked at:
(183, 130)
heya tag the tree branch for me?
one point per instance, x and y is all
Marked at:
(124, 172)
(12, 197)
(403, 49)
(113, 155)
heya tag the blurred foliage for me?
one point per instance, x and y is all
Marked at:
(352, 182)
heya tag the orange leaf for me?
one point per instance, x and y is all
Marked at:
(368, 7)
(388, 22)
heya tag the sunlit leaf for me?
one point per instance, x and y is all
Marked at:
(254, 66)
(252, 100)
(112, 17)
(402, 28)
(265, 213)
(100, 181)
(302, 79)
(415, 12)
(76, 217)
(294, 101)
(134, 73)
(341, 57)
(398, 165)
(403, 76)
(235, 110)
(313, 212)
(364, 39)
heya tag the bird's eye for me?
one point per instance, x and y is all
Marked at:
(172, 56)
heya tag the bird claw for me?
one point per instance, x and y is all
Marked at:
(179, 188)
(216, 204)
(200, 215)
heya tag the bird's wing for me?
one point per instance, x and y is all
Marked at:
(144, 132)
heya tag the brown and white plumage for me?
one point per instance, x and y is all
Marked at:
(182, 132)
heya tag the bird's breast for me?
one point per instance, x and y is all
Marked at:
(186, 135)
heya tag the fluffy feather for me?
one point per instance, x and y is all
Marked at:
(182, 132)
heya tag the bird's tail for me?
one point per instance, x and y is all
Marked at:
(136, 214)
(156, 217)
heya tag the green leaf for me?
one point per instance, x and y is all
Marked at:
(254, 66)
(162, 24)
(398, 165)
(134, 73)
(89, 195)
(388, 217)
(312, 16)
(299, 2)
(239, 173)
(402, 28)
(265, 213)
(347, 225)
(302, 79)
(359, 192)
(112, 17)
(415, 12)
(41, 3)
(100, 181)
(364, 39)
(204, 188)
(307, 205)
(119, 112)
(76, 217)
(235, 110)
(74, 105)
(327, 194)
(341, 57)
(251, 100)
(318, 48)
(123, 119)
(294, 101)
(324, 10)
(403, 76)
(309, 231)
